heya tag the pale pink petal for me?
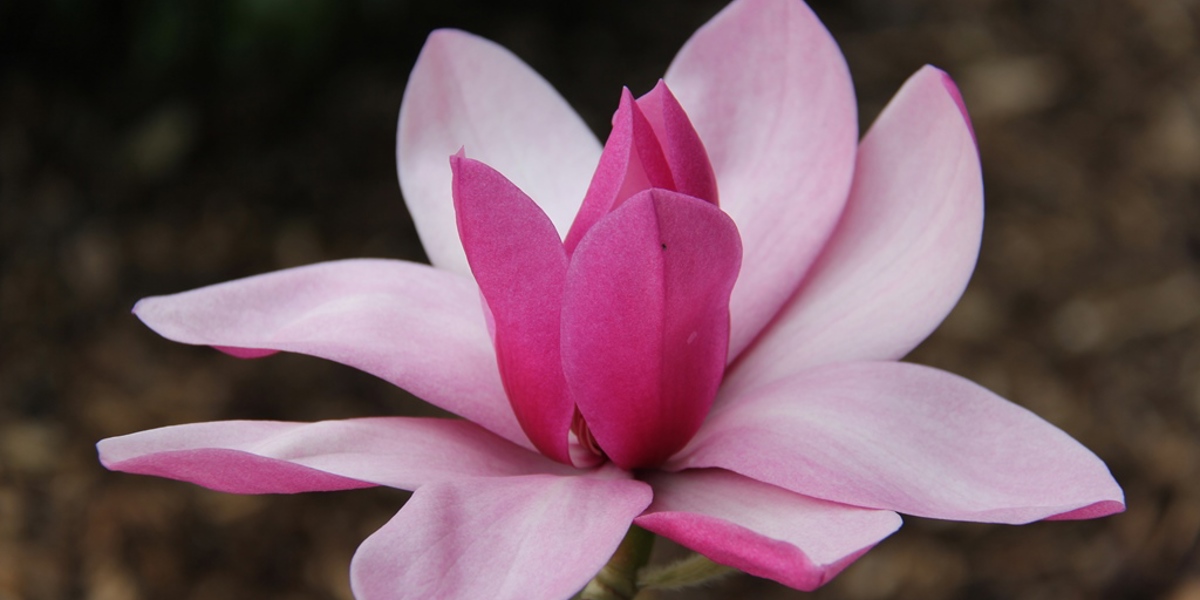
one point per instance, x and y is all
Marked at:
(520, 266)
(760, 529)
(466, 91)
(907, 438)
(646, 322)
(770, 95)
(632, 161)
(418, 327)
(681, 145)
(261, 457)
(537, 537)
(903, 251)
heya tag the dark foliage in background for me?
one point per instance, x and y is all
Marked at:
(152, 147)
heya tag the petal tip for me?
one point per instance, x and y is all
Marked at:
(956, 95)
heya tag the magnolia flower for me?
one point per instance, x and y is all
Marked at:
(694, 329)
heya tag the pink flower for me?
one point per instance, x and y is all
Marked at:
(724, 377)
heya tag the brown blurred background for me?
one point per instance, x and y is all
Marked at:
(153, 147)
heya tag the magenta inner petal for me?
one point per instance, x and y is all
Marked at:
(645, 323)
(520, 266)
(691, 170)
(632, 161)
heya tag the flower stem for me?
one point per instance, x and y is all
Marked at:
(618, 580)
(693, 570)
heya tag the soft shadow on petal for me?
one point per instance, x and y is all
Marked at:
(520, 266)
(907, 438)
(761, 529)
(903, 251)
(768, 90)
(273, 457)
(469, 92)
(415, 326)
(538, 537)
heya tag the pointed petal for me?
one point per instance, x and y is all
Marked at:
(466, 91)
(646, 323)
(760, 529)
(690, 168)
(537, 537)
(908, 438)
(770, 94)
(520, 265)
(632, 161)
(273, 457)
(418, 327)
(905, 247)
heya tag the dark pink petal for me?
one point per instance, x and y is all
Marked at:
(690, 168)
(538, 537)
(760, 529)
(272, 457)
(520, 266)
(417, 327)
(646, 322)
(632, 162)
(907, 438)
(769, 93)
(904, 250)
(466, 91)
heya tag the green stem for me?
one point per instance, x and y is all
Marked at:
(693, 570)
(618, 580)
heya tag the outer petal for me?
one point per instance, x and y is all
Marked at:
(520, 265)
(904, 249)
(537, 537)
(646, 323)
(907, 438)
(466, 91)
(415, 326)
(763, 530)
(770, 94)
(261, 457)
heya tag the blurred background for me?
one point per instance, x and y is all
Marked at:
(153, 147)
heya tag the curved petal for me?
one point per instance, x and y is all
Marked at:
(645, 323)
(760, 529)
(537, 537)
(691, 171)
(770, 95)
(903, 251)
(520, 266)
(419, 328)
(907, 438)
(632, 161)
(273, 457)
(466, 91)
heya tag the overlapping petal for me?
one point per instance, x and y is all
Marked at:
(417, 327)
(760, 529)
(521, 267)
(646, 323)
(903, 251)
(536, 537)
(260, 457)
(468, 92)
(907, 438)
(770, 95)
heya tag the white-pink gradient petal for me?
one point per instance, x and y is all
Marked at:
(907, 438)
(903, 251)
(415, 326)
(469, 93)
(263, 457)
(761, 529)
(536, 537)
(770, 95)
